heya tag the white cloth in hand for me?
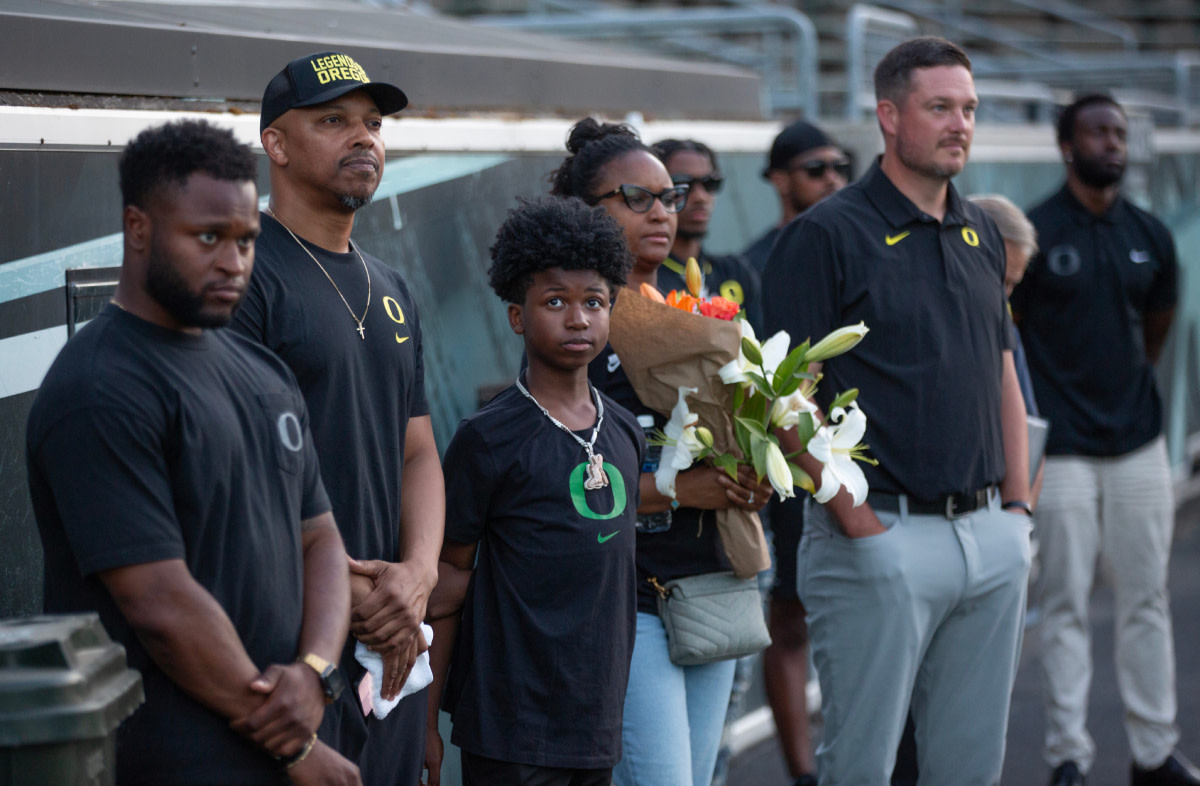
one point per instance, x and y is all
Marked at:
(418, 679)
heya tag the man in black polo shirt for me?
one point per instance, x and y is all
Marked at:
(177, 494)
(695, 164)
(1094, 311)
(348, 327)
(804, 166)
(919, 592)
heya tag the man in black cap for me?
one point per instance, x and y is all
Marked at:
(804, 166)
(347, 326)
(1094, 310)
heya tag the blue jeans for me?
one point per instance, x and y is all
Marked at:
(673, 714)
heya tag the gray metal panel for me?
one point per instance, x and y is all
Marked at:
(209, 52)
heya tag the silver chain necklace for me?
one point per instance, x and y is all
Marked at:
(361, 331)
(597, 478)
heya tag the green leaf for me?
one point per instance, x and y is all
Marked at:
(843, 398)
(753, 426)
(728, 463)
(741, 435)
(739, 398)
(790, 387)
(758, 452)
(802, 479)
(760, 382)
(805, 428)
(755, 409)
(789, 366)
(753, 355)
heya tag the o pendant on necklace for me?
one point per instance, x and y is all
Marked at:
(597, 478)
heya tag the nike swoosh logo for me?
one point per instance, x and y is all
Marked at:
(892, 240)
(401, 340)
(614, 363)
(605, 538)
(1138, 257)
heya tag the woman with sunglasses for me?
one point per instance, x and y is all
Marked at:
(673, 714)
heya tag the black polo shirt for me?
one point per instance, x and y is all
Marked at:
(731, 277)
(932, 294)
(1081, 307)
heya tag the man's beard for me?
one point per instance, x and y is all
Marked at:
(354, 203)
(927, 168)
(691, 234)
(1095, 174)
(169, 290)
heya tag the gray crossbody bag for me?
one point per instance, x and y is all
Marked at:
(711, 617)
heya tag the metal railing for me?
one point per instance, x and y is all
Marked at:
(870, 33)
(779, 43)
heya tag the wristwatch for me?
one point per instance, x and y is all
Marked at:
(332, 681)
(1018, 504)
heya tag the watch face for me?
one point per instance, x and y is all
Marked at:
(333, 682)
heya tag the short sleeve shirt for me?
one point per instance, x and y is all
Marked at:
(932, 294)
(361, 391)
(731, 277)
(147, 444)
(542, 658)
(690, 546)
(1081, 308)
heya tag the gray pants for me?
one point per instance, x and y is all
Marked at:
(930, 612)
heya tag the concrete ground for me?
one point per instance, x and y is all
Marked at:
(762, 765)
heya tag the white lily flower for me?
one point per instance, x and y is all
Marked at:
(837, 343)
(778, 472)
(786, 410)
(682, 445)
(773, 352)
(836, 447)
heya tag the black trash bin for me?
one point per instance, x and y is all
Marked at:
(64, 689)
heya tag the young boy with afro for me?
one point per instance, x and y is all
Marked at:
(542, 485)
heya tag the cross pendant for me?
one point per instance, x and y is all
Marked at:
(361, 334)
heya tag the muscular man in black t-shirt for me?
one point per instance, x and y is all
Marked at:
(177, 492)
(1094, 310)
(346, 324)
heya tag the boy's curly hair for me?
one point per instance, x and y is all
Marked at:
(549, 232)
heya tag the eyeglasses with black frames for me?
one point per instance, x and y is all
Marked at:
(817, 169)
(712, 184)
(640, 200)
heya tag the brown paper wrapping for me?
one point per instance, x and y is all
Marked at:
(662, 349)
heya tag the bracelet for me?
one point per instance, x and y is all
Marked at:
(1018, 504)
(294, 759)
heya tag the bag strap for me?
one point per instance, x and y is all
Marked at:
(663, 592)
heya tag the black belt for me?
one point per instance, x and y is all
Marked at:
(952, 506)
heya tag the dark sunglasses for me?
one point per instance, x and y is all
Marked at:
(712, 184)
(817, 169)
(640, 200)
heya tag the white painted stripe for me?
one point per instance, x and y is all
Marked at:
(25, 359)
(757, 726)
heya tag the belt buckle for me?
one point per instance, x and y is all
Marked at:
(951, 513)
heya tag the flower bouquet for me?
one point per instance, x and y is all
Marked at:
(699, 363)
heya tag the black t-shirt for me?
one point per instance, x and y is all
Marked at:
(541, 662)
(731, 277)
(760, 250)
(148, 444)
(932, 295)
(360, 392)
(691, 546)
(1082, 305)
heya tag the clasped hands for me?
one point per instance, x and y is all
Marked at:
(387, 605)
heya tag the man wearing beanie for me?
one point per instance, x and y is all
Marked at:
(346, 325)
(804, 166)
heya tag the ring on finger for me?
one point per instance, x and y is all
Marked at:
(750, 501)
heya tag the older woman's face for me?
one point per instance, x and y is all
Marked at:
(650, 234)
(1014, 270)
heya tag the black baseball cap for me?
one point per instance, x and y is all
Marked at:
(799, 137)
(315, 79)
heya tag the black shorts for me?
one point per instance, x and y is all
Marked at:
(482, 771)
(787, 525)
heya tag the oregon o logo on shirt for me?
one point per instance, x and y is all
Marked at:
(970, 237)
(395, 313)
(290, 433)
(579, 494)
(1063, 260)
(732, 290)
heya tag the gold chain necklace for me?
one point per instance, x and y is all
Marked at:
(361, 331)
